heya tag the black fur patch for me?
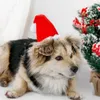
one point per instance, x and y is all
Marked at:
(74, 50)
(26, 61)
(48, 58)
(71, 55)
(34, 81)
(17, 50)
(61, 74)
(63, 93)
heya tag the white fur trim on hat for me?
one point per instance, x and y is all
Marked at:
(54, 37)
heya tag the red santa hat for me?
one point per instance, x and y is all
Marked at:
(43, 27)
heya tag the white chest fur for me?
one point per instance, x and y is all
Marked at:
(51, 85)
(54, 85)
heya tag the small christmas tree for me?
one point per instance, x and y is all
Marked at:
(89, 27)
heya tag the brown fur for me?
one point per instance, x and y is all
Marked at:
(5, 75)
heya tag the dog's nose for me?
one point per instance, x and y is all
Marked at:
(74, 69)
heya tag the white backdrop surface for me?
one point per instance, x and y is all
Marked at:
(15, 19)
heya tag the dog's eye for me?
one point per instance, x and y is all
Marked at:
(59, 58)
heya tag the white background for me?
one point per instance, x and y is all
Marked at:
(16, 18)
(60, 12)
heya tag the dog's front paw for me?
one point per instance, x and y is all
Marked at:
(4, 83)
(12, 94)
(73, 95)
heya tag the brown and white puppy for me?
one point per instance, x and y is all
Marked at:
(49, 66)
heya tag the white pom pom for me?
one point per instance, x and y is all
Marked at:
(33, 28)
(32, 33)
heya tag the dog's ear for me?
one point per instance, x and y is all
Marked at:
(75, 41)
(46, 47)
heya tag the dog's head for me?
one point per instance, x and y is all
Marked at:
(61, 56)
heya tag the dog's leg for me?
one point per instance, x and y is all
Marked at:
(71, 91)
(5, 75)
(5, 78)
(19, 89)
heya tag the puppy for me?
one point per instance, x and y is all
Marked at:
(49, 66)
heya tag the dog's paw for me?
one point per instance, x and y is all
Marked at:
(12, 94)
(73, 95)
(4, 83)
